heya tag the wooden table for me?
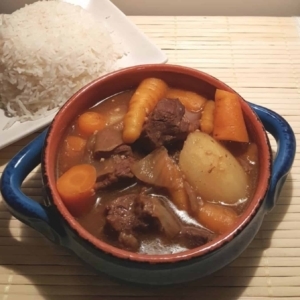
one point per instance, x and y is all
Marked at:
(260, 58)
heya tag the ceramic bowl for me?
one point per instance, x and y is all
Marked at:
(56, 223)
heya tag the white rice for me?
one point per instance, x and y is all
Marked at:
(48, 50)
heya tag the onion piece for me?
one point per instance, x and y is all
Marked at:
(153, 206)
(193, 119)
(192, 116)
(159, 169)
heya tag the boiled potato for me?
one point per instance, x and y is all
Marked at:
(212, 170)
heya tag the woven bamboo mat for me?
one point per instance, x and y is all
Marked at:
(260, 58)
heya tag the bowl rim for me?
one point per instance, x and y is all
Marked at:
(203, 250)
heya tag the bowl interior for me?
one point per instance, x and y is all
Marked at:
(176, 76)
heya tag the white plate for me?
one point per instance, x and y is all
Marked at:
(141, 51)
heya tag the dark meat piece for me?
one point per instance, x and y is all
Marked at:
(122, 166)
(113, 169)
(121, 213)
(166, 125)
(192, 237)
(132, 214)
(152, 208)
(122, 217)
(116, 167)
(123, 150)
(107, 140)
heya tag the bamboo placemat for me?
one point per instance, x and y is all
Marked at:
(260, 58)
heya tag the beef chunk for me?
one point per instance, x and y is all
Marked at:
(166, 124)
(133, 214)
(122, 166)
(115, 168)
(123, 150)
(121, 213)
(122, 217)
(193, 237)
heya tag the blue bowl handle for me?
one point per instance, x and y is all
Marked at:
(22, 207)
(286, 149)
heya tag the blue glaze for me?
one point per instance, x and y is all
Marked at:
(284, 135)
(46, 219)
(22, 207)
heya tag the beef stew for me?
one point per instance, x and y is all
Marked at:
(149, 171)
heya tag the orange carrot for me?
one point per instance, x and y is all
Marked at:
(229, 123)
(207, 118)
(89, 122)
(142, 102)
(75, 143)
(76, 188)
(73, 149)
(190, 100)
(180, 199)
(216, 218)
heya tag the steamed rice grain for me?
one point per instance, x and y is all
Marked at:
(49, 50)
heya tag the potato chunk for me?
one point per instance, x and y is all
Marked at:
(212, 170)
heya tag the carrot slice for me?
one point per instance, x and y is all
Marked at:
(229, 123)
(76, 188)
(89, 122)
(73, 149)
(180, 199)
(207, 118)
(142, 102)
(190, 100)
(216, 218)
(75, 143)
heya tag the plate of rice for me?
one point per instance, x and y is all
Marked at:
(50, 49)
